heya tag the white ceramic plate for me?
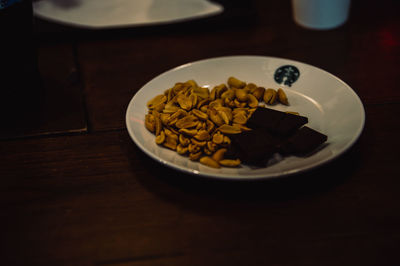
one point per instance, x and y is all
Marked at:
(97, 14)
(331, 106)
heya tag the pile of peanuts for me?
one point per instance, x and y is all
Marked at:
(197, 122)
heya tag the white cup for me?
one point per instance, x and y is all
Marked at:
(320, 14)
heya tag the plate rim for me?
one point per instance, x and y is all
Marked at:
(218, 10)
(221, 176)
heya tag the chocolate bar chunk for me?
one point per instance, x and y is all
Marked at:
(290, 123)
(265, 118)
(254, 147)
(276, 122)
(303, 142)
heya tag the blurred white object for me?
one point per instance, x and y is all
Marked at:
(320, 14)
(122, 13)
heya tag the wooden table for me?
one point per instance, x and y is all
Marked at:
(75, 189)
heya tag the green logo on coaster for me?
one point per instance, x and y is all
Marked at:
(287, 75)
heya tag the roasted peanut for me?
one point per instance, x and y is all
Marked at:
(178, 114)
(199, 125)
(215, 117)
(202, 135)
(171, 107)
(204, 108)
(220, 89)
(201, 92)
(207, 151)
(241, 95)
(160, 138)
(178, 87)
(211, 146)
(213, 94)
(282, 97)
(191, 83)
(184, 102)
(209, 162)
(158, 125)
(194, 99)
(236, 83)
(258, 93)
(202, 102)
(193, 148)
(170, 135)
(228, 129)
(229, 162)
(226, 141)
(195, 156)
(239, 110)
(157, 100)
(223, 116)
(250, 87)
(164, 118)
(188, 132)
(187, 122)
(184, 141)
(226, 110)
(181, 149)
(218, 138)
(252, 101)
(230, 103)
(199, 114)
(173, 130)
(239, 104)
(209, 126)
(170, 143)
(216, 103)
(229, 94)
(242, 127)
(149, 122)
(198, 143)
(240, 118)
(219, 154)
(170, 94)
(269, 96)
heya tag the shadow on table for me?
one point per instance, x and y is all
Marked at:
(171, 184)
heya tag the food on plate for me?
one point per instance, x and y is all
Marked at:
(225, 125)
(303, 142)
(274, 132)
(277, 122)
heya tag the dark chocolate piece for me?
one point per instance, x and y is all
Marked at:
(274, 131)
(265, 118)
(303, 142)
(254, 147)
(290, 123)
(276, 122)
